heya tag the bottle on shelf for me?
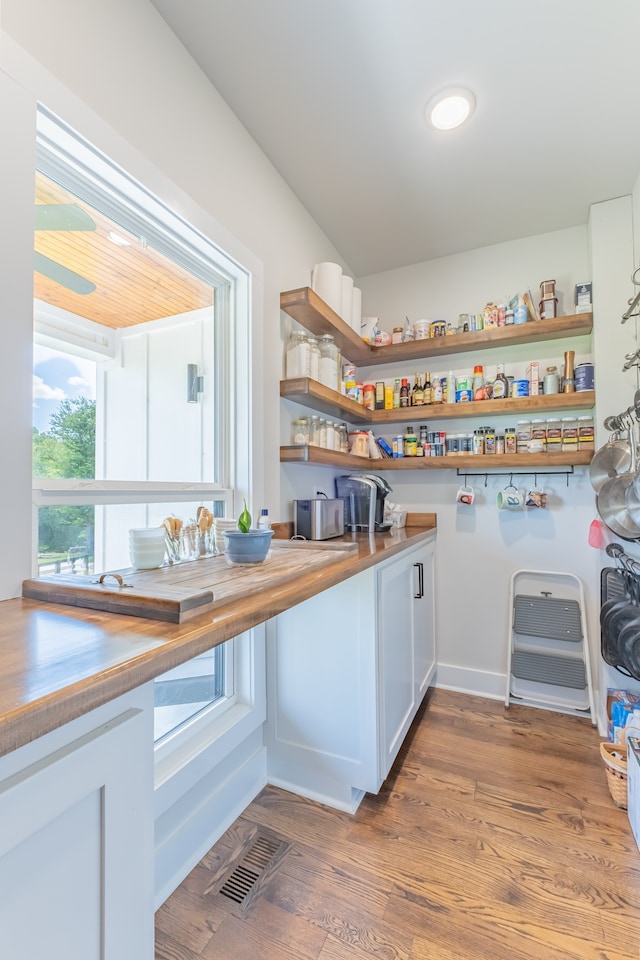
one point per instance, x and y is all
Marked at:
(500, 384)
(428, 392)
(436, 390)
(404, 393)
(397, 384)
(417, 395)
(264, 523)
(478, 382)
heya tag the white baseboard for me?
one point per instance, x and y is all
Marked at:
(479, 683)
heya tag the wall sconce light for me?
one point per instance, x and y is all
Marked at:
(195, 384)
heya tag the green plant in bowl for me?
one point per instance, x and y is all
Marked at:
(244, 520)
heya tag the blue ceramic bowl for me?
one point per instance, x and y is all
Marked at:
(251, 547)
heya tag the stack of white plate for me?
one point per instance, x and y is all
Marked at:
(220, 524)
(146, 547)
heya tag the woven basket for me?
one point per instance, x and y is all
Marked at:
(615, 765)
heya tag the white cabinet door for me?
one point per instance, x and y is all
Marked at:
(321, 732)
(424, 619)
(396, 667)
(406, 644)
(76, 848)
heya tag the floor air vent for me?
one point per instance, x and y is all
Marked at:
(252, 872)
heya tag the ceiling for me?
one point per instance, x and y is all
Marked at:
(133, 283)
(334, 94)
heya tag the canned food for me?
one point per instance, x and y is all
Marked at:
(438, 328)
(520, 388)
(397, 445)
(369, 396)
(583, 376)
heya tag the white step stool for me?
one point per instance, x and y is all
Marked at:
(549, 660)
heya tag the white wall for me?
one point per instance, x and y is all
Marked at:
(480, 548)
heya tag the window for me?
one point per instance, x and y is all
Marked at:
(136, 319)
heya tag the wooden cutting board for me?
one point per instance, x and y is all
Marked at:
(174, 593)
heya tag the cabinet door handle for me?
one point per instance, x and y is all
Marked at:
(420, 592)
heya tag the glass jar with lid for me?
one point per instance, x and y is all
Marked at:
(331, 435)
(314, 358)
(343, 434)
(322, 432)
(300, 431)
(329, 362)
(314, 431)
(297, 355)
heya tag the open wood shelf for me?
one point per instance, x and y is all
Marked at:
(318, 397)
(305, 306)
(518, 462)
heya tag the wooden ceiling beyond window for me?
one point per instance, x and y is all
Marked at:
(134, 283)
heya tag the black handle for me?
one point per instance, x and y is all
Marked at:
(420, 592)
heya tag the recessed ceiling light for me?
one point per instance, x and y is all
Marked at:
(118, 239)
(450, 107)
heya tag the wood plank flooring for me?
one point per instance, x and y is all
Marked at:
(493, 838)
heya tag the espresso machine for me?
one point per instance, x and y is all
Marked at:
(364, 496)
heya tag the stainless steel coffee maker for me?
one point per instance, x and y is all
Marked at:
(364, 497)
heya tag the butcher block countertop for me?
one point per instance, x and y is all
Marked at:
(58, 662)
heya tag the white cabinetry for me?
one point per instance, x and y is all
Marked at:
(346, 673)
(406, 644)
(76, 839)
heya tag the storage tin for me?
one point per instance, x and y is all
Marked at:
(583, 377)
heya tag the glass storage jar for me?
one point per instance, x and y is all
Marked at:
(329, 362)
(297, 355)
(314, 431)
(300, 431)
(314, 358)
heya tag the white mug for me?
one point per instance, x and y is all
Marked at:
(510, 498)
(346, 308)
(326, 280)
(466, 494)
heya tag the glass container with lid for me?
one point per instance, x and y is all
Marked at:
(329, 362)
(314, 358)
(297, 355)
(300, 431)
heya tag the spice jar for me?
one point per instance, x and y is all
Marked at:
(586, 433)
(538, 439)
(554, 435)
(569, 434)
(510, 440)
(523, 435)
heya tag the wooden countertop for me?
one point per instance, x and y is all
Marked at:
(59, 662)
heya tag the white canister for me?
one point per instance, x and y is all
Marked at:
(346, 307)
(326, 281)
(356, 310)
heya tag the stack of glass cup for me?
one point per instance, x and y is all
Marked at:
(220, 524)
(146, 547)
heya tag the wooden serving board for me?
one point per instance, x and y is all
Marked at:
(174, 593)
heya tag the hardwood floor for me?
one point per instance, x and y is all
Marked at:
(493, 838)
